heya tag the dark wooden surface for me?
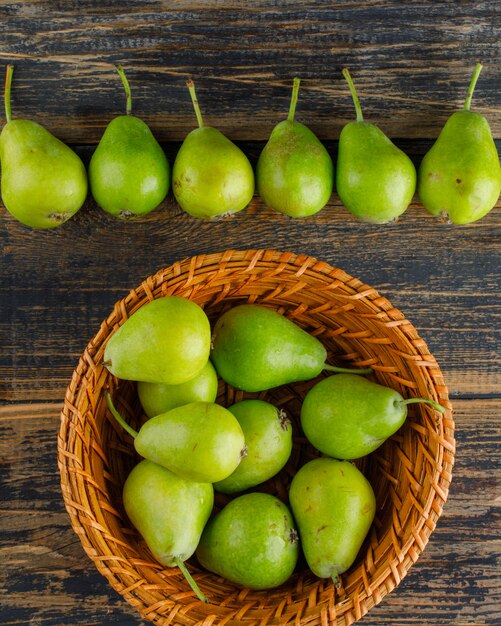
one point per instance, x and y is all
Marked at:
(411, 63)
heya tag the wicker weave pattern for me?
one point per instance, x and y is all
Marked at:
(410, 473)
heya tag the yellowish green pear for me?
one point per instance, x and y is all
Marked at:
(460, 176)
(129, 174)
(44, 182)
(334, 506)
(211, 176)
(169, 512)
(200, 441)
(268, 439)
(294, 173)
(374, 178)
(166, 340)
(158, 398)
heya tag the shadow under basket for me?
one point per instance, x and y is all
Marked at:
(410, 473)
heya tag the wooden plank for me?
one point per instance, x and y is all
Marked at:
(45, 574)
(57, 286)
(409, 78)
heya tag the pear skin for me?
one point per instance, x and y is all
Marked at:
(169, 512)
(199, 441)
(268, 439)
(375, 180)
(334, 507)
(211, 176)
(159, 398)
(254, 348)
(252, 541)
(460, 176)
(347, 416)
(129, 173)
(44, 182)
(294, 172)
(166, 340)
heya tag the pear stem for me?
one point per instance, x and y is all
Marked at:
(294, 97)
(434, 404)
(190, 579)
(336, 580)
(125, 82)
(346, 370)
(8, 82)
(191, 86)
(354, 95)
(471, 88)
(133, 433)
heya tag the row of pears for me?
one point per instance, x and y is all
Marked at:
(192, 446)
(44, 182)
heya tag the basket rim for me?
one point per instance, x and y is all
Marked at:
(191, 271)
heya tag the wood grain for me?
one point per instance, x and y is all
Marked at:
(411, 63)
(443, 277)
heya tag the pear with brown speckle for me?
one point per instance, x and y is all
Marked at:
(334, 506)
(211, 176)
(459, 178)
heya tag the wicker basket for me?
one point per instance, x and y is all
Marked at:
(410, 473)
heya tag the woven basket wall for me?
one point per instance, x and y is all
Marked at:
(410, 473)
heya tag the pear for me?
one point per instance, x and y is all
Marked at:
(211, 176)
(459, 178)
(294, 173)
(254, 348)
(129, 174)
(268, 439)
(334, 507)
(252, 541)
(347, 416)
(201, 441)
(158, 398)
(169, 512)
(374, 178)
(166, 340)
(44, 182)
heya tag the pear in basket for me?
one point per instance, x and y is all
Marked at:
(334, 506)
(255, 348)
(169, 512)
(167, 340)
(348, 417)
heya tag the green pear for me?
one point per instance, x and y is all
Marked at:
(254, 348)
(159, 398)
(252, 541)
(211, 176)
(375, 180)
(268, 438)
(334, 506)
(44, 182)
(167, 340)
(201, 441)
(129, 174)
(460, 177)
(169, 512)
(348, 417)
(294, 173)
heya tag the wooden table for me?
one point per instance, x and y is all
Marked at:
(412, 63)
